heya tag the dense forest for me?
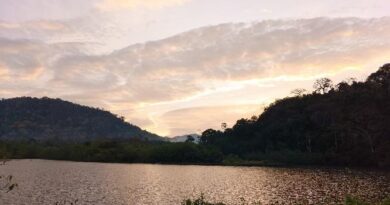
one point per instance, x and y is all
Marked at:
(130, 151)
(345, 124)
(42, 119)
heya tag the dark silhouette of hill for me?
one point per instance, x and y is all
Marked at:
(41, 119)
(345, 124)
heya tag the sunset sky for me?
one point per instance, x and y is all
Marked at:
(176, 67)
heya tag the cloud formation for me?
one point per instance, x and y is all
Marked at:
(169, 85)
(110, 5)
(182, 120)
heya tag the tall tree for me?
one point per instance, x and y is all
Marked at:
(323, 85)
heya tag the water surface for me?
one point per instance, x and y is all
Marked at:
(48, 182)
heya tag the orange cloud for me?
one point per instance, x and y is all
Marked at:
(189, 120)
(4, 73)
(170, 85)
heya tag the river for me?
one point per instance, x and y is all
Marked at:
(48, 182)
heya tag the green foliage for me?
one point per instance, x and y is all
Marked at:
(199, 201)
(347, 124)
(354, 201)
(232, 159)
(67, 202)
(130, 151)
(386, 201)
(7, 182)
(43, 119)
(287, 157)
(202, 201)
(190, 139)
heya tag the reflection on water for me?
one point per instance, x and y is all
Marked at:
(47, 182)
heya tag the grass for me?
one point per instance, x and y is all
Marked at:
(355, 201)
(199, 201)
(348, 201)
(202, 201)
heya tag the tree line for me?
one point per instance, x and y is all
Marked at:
(343, 124)
(128, 151)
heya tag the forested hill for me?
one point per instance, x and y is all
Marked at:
(41, 119)
(346, 124)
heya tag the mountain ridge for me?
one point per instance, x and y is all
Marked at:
(41, 119)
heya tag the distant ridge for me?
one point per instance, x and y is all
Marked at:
(41, 119)
(183, 138)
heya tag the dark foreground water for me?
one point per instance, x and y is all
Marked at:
(48, 182)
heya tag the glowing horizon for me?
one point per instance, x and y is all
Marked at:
(176, 67)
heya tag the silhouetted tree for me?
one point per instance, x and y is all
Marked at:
(298, 91)
(323, 85)
(190, 139)
(223, 126)
(348, 126)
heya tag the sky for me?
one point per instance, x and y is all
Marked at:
(176, 67)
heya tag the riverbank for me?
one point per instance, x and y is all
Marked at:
(201, 200)
(159, 153)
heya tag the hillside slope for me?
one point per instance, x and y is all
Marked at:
(43, 119)
(345, 124)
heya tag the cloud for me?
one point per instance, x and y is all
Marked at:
(264, 49)
(213, 66)
(109, 5)
(33, 29)
(26, 65)
(184, 121)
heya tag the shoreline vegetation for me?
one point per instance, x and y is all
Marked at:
(152, 153)
(335, 125)
(201, 200)
(229, 163)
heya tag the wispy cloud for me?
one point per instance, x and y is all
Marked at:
(182, 121)
(110, 5)
(215, 69)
